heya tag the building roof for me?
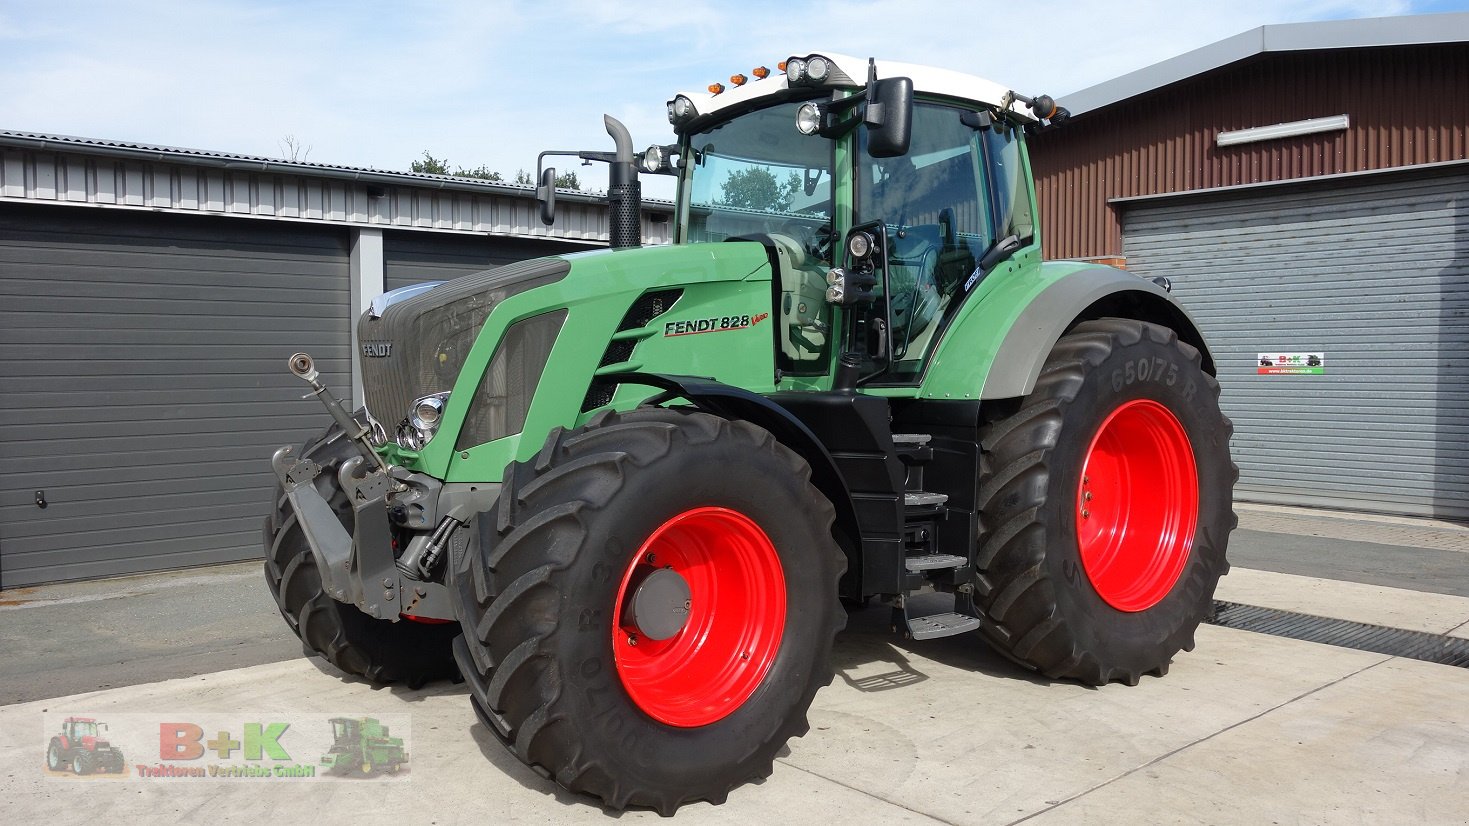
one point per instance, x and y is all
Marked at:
(254, 163)
(1332, 34)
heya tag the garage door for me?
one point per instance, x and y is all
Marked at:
(1373, 276)
(143, 383)
(415, 257)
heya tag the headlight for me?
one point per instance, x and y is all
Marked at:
(680, 109)
(653, 159)
(795, 70)
(428, 410)
(808, 119)
(422, 421)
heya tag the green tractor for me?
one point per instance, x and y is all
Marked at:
(629, 492)
(362, 746)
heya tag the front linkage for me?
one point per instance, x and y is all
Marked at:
(357, 563)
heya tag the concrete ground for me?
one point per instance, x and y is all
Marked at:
(1247, 728)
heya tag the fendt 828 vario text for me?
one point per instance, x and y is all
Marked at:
(626, 493)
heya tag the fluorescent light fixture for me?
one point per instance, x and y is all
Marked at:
(1283, 130)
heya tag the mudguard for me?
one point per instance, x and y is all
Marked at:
(997, 345)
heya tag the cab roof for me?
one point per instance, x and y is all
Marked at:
(851, 72)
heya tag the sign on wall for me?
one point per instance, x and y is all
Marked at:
(1291, 364)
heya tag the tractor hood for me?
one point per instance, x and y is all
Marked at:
(416, 347)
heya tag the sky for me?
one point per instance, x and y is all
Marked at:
(494, 82)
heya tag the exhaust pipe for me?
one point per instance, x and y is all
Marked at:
(624, 191)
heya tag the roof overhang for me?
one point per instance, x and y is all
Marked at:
(1293, 37)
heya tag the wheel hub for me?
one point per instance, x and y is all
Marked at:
(661, 604)
(1137, 505)
(700, 616)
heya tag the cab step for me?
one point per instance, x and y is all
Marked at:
(915, 439)
(924, 499)
(934, 562)
(926, 623)
(940, 625)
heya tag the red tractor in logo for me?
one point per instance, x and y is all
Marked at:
(79, 748)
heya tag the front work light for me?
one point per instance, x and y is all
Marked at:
(808, 119)
(680, 109)
(795, 70)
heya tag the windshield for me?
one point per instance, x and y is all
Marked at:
(84, 729)
(756, 175)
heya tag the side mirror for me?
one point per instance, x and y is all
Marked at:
(889, 118)
(546, 195)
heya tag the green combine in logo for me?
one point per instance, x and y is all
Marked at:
(363, 745)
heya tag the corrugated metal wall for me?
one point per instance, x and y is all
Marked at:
(143, 385)
(413, 257)
(1408, 105)
(79, 179)
(1375, 274)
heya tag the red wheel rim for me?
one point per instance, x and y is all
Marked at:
(1137, 505)
(736, 618)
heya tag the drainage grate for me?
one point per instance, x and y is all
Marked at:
(1397, 642)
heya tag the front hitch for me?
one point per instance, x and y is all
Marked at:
(302, 367)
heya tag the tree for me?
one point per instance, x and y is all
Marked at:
(758, 188)
(482, 172)
(566, 180)
(430, 165)
(292, 149)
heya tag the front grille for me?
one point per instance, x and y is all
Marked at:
(418, 346)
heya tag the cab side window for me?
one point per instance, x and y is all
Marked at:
(938, 226)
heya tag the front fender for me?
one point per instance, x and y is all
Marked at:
(996, 347)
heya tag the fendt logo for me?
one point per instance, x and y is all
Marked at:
(377, 349)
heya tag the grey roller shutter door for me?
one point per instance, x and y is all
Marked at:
(143, 385)
(1372, 272)
(415, 257)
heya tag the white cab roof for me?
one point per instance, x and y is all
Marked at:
(926, 80)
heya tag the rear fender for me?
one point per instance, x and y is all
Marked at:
(996, 348)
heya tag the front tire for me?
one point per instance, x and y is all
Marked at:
(597, 645)
(379, 650)
(1106, 506)
(55, 761)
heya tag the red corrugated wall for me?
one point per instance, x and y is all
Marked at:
(1408, 105)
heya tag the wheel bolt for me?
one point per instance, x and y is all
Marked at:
(632, 639)
(1086, 514)
(1088, 496)
(745, 656)
(652, 558)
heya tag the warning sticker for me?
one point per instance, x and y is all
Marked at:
(1291, 364)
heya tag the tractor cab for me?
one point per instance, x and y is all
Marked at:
(77, 728)
(833, 175)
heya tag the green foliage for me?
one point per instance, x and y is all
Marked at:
(566, 180)
(440, 166)
(482, 172)
(430, 165)
(758, 188)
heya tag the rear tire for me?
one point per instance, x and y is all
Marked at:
(1105, 578)
(379, 650)
(578, 687)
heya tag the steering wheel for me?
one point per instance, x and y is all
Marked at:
(815, 239)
